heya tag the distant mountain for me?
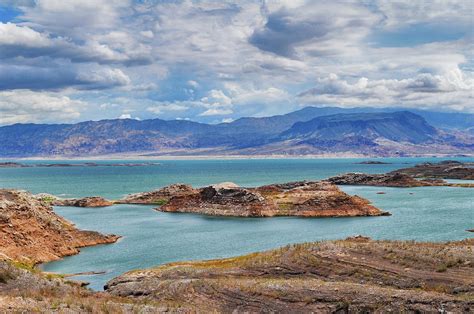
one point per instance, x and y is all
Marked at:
(400, 126)
(277, 124)
(311, 130)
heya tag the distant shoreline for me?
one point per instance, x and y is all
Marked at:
(228, 157)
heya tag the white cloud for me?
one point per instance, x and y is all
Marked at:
(26, 106)
(12, 34)
(165, 107)
(193, 84)
(216, 112)
(240, 58)
(448, 90)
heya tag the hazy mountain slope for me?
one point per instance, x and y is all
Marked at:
(402, 126)
(280, 123)
(97, 137)
(348, 132)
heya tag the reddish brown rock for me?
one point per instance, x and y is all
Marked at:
(91, 201)
(31, 232)
(307, 199)
(158, 197)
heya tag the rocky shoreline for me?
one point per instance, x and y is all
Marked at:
(347, 276)
(32, 233)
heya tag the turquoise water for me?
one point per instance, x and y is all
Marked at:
(115, 182)
(151, 238)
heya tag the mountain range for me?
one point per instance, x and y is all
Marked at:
(311, 130)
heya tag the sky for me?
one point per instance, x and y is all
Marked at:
(215, 61)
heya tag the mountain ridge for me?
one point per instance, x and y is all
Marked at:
(301, 132)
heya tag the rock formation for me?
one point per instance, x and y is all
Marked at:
(31, 232)
(448, 169)
(90, 201)
(307, 199)
(389, 180)
(160, 196)
(348, 276)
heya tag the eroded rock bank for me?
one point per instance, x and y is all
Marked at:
(304, 198)
(31, 232)
(353, 275)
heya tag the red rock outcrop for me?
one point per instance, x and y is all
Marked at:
(31, 232)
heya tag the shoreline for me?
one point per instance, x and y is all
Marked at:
(225, 157)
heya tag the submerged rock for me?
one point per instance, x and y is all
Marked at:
(308, 199)
(356, 275)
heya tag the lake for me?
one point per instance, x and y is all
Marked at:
(152, 238)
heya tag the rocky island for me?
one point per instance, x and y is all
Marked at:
(304, 198)
(427, 174)
(387, 180)
(448, 169)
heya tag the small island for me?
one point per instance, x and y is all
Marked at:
(303, 199)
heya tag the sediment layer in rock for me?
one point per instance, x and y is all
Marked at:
(352, 275)
(31, 232)
(306, 199)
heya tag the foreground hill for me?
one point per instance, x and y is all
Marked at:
(307, 131)
(356, 275)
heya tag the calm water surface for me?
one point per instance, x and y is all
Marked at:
(151, 238)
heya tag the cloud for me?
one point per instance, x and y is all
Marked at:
(289, 31)
(74, 16)
(231, 59)
(166, 107)
(115, 47)
(27, 106)
(448, 90)
(216, 112)
(58, 77)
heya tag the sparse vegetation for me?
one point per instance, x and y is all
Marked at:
(160, 202)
